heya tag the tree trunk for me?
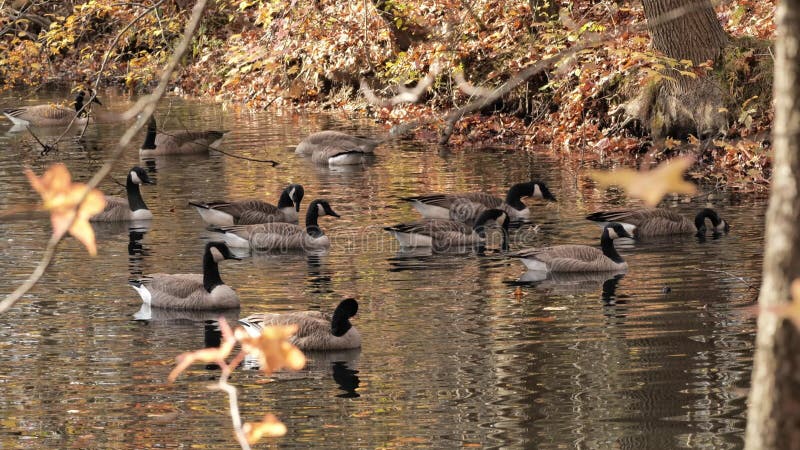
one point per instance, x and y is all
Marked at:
(773, 420)
(683, 30)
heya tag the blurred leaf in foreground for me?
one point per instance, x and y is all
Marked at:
(269, 427)
(62, 198)
(272, 348)
(651, 185)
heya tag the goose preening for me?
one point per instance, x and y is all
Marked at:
(466, 207)
(660, 222)
(133, 208)
(283, 236)
(578, 258)
(49, 115)
(191, 291)
(248, 212)
(178, 142)
(315, 330)
(443, 234)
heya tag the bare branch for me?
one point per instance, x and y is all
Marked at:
(469, 89)
(405, 95)
(146, 105)
(505, 88)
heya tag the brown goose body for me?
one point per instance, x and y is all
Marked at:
(444, 234)
(283, 236)
(179, 142)
(578, 258)
(204, 291)
(467, 206)
(249, 212)
(119, 209)
(315, 330)
(335, 141)
(651, 222)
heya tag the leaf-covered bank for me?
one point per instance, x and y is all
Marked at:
(260, 54)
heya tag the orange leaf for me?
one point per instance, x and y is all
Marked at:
(62, 198)
(651, 185)
(269, 427)
(272, 347)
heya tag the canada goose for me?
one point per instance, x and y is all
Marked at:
(659, 222)
(335, 140)
(191, 291)
(180, 142)
(444, 234)
(338, 156)
(283, 236)
(248, 212)
(315, 330)
(578, 258)
(466, 207)
(49, 115)
(133, 208)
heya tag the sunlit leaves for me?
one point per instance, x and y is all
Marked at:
(69, 203)
(650, 185)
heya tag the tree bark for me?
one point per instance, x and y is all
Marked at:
(685, 29)
(773, 420)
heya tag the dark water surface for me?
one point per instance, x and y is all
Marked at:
(659, 358)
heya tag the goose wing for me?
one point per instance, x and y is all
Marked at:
(116, 209)
(431, 227)
(487, 200)
(183, 141)
(308, 322)
(648, 221)
(569, 258)
(465, 210)
(247, 212)
(44, 113)
(178, 286)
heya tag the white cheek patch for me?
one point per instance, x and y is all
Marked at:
(630, 228)
(291, 193)
(320, 209)
(502, 219)
(216, 254)
(135, 177)
(537, 191)
(721, 226)
(612, 234)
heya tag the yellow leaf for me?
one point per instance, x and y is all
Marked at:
(62, 198)
(272, 347)
(651, 185)
(269, 427)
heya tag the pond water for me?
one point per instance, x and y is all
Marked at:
(452, 357)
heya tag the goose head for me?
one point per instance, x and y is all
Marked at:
(137, 175)
(497, 215)
(296, 193)
(219, 251)
(718, 225)
(340, 322)
(615, 230)
(323, 208)
(535, 189)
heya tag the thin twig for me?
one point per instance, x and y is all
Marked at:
(146, 105)
(737, 277)
(233, 405)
